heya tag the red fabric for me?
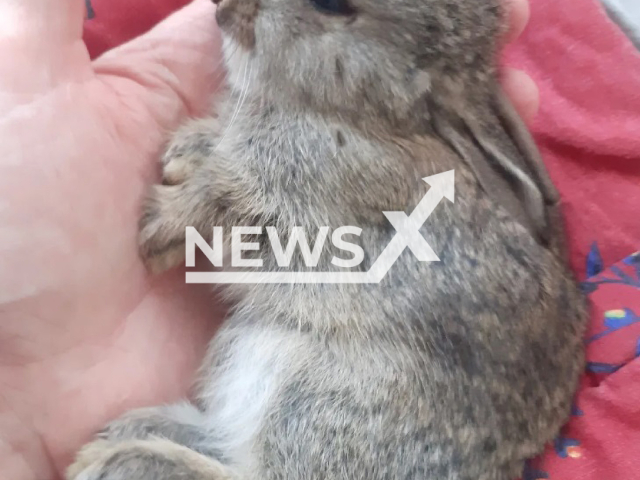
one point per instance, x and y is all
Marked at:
(602, 438)
(117, 21)
(588, 127)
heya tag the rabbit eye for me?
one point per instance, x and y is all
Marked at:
(334, 7)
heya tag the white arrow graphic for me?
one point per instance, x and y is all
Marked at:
(407, 236)
(442, 186)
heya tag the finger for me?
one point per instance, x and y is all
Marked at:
(517, 17)
(41, 44)
(172, 70)
(522, 91)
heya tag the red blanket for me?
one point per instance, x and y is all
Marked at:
(601, 440)
(589, 123)
(112, 22)
(589, 132)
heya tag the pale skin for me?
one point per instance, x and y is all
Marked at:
(85, 332)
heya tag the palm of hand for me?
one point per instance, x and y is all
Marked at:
(85, 333)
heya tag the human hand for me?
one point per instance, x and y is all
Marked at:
(85, 333)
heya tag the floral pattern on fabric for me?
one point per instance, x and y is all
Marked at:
(581, 450)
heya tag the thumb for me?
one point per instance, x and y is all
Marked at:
(41, 44)
(173, 70)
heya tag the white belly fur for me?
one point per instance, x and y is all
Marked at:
(238, 396)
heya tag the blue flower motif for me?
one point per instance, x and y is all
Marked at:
(90, 12)
(619, 276)
(597, 367)
(594, 261)
(531, 473)
(567, 447)
(588, 287)
(575, 411)
(632, 259)
(615, 320)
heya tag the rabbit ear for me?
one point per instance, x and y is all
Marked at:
(494, 142)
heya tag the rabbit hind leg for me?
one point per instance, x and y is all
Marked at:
(149, 459)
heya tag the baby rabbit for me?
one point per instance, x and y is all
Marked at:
(459, 369)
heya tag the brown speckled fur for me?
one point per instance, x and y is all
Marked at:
(455, 370)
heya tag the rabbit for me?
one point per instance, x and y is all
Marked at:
(457, 369)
